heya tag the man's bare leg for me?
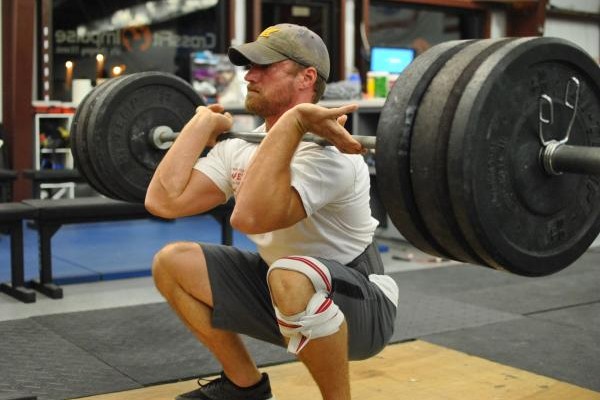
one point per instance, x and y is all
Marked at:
(180, 275)
(326, 358)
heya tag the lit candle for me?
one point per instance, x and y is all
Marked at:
(99, 66)
(68, 75)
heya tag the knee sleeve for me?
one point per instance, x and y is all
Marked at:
(322, 316)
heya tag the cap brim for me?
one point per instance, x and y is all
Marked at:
(254, 53)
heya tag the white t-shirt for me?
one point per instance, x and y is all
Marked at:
(334, 188)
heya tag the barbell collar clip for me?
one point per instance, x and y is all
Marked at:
(558, 158)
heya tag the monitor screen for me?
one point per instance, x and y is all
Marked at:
(391, 59)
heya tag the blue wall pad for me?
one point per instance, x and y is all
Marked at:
(113, 250)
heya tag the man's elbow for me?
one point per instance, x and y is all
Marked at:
(158, 209)
(247, 223)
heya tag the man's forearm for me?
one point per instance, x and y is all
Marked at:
(173, 172)
(265, 194)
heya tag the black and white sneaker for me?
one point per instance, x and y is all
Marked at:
(223, 389)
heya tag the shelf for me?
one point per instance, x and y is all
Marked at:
(52, 172)
(64, 150)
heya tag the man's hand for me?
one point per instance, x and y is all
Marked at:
(213, 118)
(327, 123)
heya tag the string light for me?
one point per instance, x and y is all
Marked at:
(99, 65)
(69, 74)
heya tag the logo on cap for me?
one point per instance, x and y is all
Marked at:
(267, 32)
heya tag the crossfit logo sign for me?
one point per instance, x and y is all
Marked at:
(131, 39)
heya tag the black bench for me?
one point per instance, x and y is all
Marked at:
(40, 176)
(7, 177)
(11, 223)
(50, 215)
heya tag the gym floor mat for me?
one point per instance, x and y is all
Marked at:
(147, 343)
(40, 362)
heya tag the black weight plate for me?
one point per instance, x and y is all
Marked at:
(105, 180)
(79, 148)
(517, 217)
(76, 128)
(102, 181)
(429, 147)
(394, 131)
(131, 108)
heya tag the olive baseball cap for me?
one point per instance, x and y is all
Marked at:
(281, 42)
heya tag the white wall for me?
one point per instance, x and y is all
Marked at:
(585, 34)
(349, 30)
(591, 6)
(498, 24)
(239, 35)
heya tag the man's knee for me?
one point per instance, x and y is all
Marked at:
(172, 261)
(290, 290)
(301, 291)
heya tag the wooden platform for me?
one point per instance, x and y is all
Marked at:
(413, 370)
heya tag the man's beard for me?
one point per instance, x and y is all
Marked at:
(256, 105)
(263, 106)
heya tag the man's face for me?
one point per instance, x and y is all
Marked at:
(271, 88)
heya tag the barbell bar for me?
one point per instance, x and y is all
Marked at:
(162, 137)
(556, 157)
(485, 151)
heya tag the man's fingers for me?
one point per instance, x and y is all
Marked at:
(347, 109)
(344, 141)
(342, 119)
(351, 149)
(218, 108)
(337, 112)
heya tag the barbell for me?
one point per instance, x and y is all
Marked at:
(486, 151)
(163, 136)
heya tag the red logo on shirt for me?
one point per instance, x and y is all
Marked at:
(237, 175)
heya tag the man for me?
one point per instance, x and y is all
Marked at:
(312, 284)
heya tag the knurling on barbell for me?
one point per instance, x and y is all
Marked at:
(461, 170)
(163, 136)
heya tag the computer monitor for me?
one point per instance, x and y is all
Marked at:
(391, 59)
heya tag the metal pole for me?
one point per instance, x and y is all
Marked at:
(162, 135)
(573, 159)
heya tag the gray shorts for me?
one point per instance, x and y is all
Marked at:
(242, 302)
